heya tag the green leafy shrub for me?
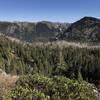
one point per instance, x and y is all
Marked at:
(39, 87)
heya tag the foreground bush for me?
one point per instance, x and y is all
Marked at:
(39, 87)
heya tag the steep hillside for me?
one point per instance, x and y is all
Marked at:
(52, 71)
(50, 59)
(86, 29)
(32, 31)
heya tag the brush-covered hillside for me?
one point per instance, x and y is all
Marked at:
(50, 71)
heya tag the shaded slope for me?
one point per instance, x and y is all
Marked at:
(32, 31)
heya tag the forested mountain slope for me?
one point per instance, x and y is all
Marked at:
(22, 58)
(51, 62)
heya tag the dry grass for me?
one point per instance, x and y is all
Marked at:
(60, 43)
(6, 83)
(63, 43)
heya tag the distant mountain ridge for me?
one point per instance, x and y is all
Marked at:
(86, 29)
(28, 31)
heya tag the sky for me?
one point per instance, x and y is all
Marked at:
(48, 10)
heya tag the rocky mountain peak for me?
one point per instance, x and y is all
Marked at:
(87, 29)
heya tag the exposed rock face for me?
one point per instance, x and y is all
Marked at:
(32, 31)
(88, 29)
